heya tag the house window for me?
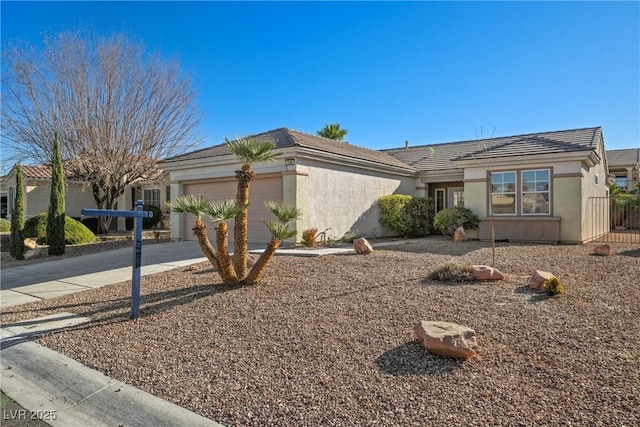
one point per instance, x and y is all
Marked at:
(621, 182)
(439, 202)
(151, 197)
(535, 192)
(503, 193)
(456, 197)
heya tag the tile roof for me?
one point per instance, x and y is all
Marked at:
(286, 138)
(443, 156)
(625, 157)
(45, 172)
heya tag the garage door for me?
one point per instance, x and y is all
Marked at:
(262, 189)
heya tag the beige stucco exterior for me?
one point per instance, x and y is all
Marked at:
(333, 197)
(38, 193)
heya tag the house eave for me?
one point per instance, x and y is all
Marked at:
(590, 157)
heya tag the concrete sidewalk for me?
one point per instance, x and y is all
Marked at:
(34, 282)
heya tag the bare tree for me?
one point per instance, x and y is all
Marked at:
(116, 108)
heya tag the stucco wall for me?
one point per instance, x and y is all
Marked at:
(344, 199)
(594, 185)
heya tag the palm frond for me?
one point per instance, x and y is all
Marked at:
(279, 230)
(283, 211)
(250, 150)
(221, 210)
(189, 204)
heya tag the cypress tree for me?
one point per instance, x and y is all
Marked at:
(17, 218)
(56, 217)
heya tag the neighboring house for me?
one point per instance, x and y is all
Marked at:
(78, 194)
(624, 166)
(538, 186)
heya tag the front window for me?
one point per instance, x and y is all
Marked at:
(621, 182)
(151, 197)
(535, 192)
(456, 197)
(503, 193)
(439, 202)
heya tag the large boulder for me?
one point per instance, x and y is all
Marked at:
(459, 235)
(602, 250)
(484, 272)
(30, 244)
(362, 246)
(537, 279)
(447, 339)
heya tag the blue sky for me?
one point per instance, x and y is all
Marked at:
(426, 72)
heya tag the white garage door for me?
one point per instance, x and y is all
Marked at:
(262, 189)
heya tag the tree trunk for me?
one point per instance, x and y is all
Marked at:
(240, 247)
(200, 230)
(227, 272)
(255, 275)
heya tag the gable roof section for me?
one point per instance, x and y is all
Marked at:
(444, 156)
(288, 138)
(625, 157)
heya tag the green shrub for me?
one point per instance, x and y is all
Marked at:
(452, 271)
(74, 231)
(146, 222)
(447, 220)
(553, 286)
(5, 225)
(409, 216)
(309, 237)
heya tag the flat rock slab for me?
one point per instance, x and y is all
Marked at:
(447, 339)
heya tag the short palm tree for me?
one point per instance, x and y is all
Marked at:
(280, 231)
(233, 270)
(333, 131)
(249, 151)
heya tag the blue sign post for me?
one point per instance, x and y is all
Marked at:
(137, 215)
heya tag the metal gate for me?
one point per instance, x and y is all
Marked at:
(614, 219)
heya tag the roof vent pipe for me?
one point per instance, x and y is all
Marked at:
(406, 145)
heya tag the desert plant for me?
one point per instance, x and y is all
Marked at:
(17, 249)
(410, 216)
(447, 220)
(553, 286)
(56, 217)
(5, 225)
(75, 232)
(452, 271)
(309, 237)
(249, 151)
(147, 223)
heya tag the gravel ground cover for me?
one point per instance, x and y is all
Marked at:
(329, 340)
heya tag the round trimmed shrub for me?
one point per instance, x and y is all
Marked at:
(5, 224)
(75, 232)
(448, 220)
(146, 222)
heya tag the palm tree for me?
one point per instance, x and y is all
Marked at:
(249, 151)
(196, 206)
(333, 131)
(220, 213)
(279, 231)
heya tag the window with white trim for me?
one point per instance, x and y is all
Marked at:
(535, 192)
(503, 193)
(151, 196)
(439, 202)
(456, 197)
